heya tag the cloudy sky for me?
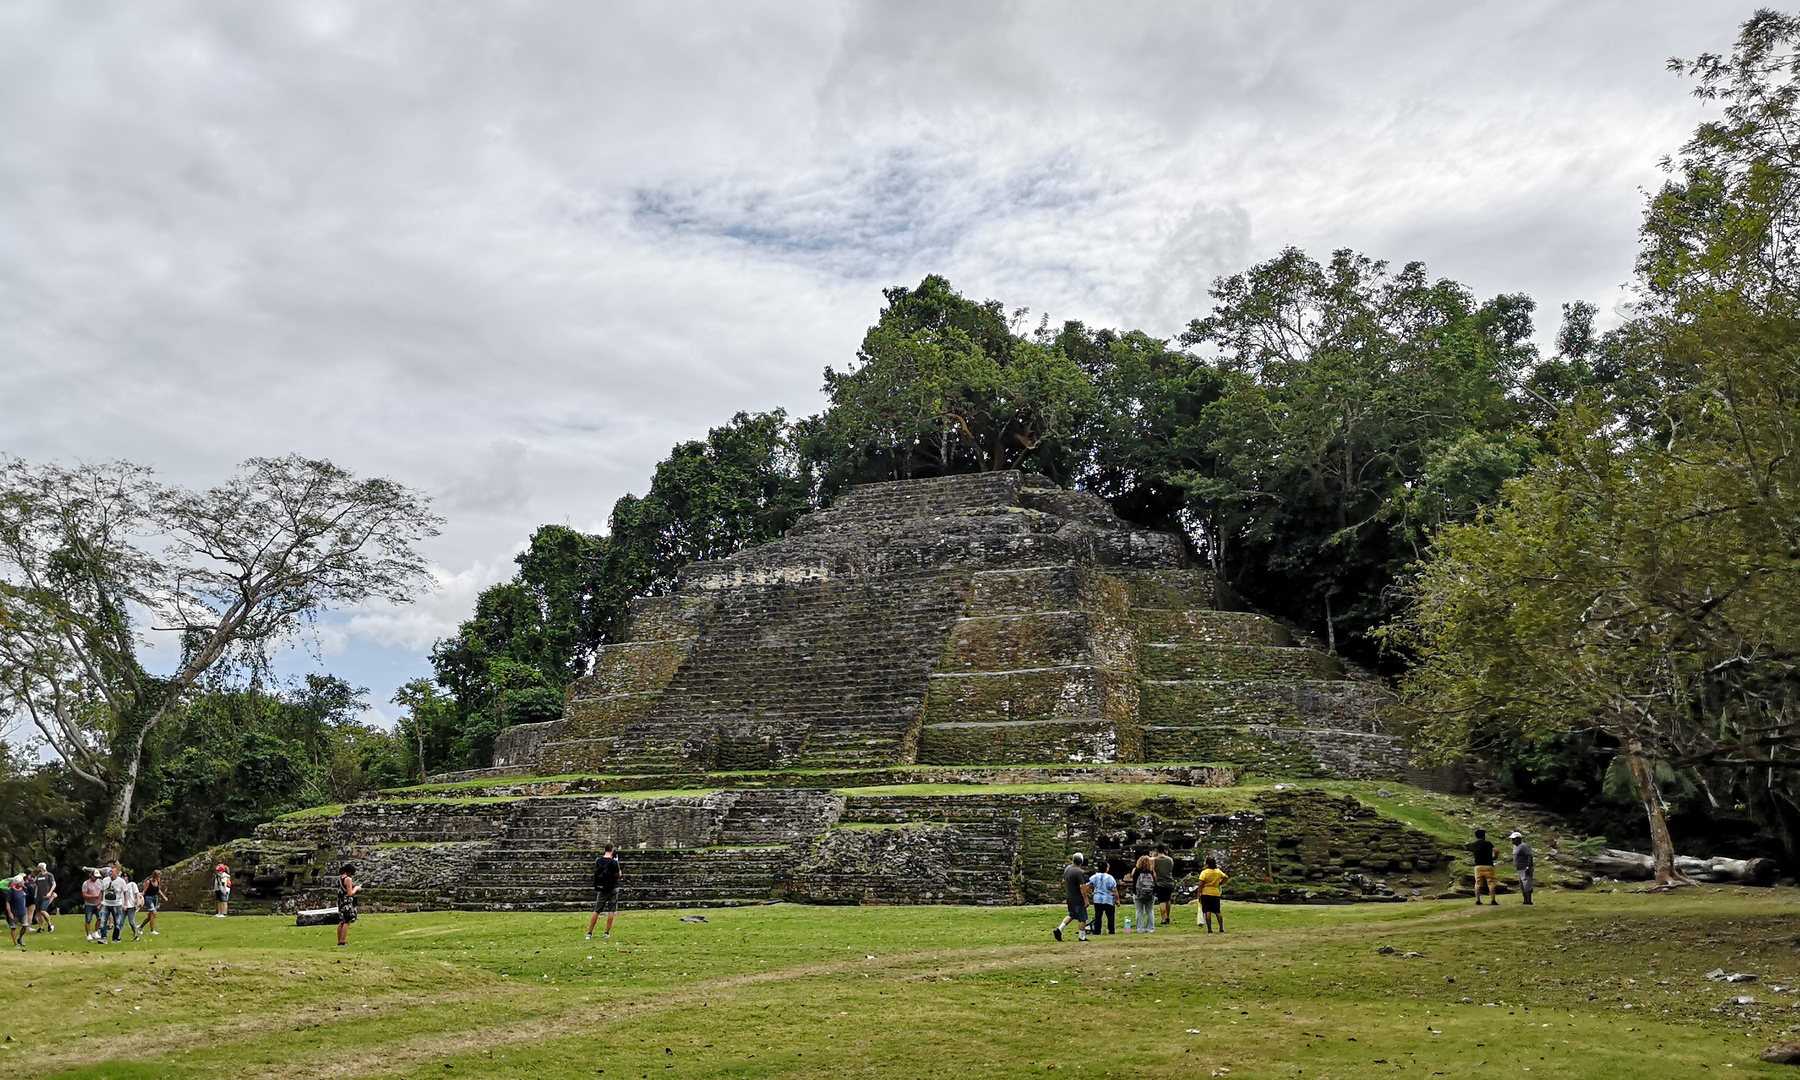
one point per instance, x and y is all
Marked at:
(510, 252)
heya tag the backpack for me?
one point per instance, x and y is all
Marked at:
(606, 874)
(1145, 886)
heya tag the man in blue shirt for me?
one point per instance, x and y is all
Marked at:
(1106, 899)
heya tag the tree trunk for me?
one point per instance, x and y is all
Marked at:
(1662, 846)
(1636, 866)
(118, 811)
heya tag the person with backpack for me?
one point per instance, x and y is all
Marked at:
(222, 888)
(1143, 893)
(607, 874)
(112, 904)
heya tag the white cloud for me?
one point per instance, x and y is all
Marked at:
(512, 253)
(416, 626)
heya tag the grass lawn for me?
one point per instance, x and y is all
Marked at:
(1582, 985)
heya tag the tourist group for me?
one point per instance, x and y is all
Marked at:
(1093, 896)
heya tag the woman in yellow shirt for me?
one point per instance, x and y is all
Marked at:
(1210, 879)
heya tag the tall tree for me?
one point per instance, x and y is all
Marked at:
(1640, 580)
(93, 556)
(942, 384)
(1356, 408)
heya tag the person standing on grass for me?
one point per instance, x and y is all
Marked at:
(1075, 894)
(134, 897)
(90, 903)
(347, 890)
(1210, 897)
(1106, 899)
(16, 904)
(153, 898)
(1483, 853)
(46, 891)
(222, 888)
(1143, 893)
(1524, 864)
(1165, 881)
(112, 904)
(607, 875)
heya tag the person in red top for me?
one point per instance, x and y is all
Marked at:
(90, 902)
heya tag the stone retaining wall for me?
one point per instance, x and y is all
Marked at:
(816, 846)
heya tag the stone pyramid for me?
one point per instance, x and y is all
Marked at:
(984, 620)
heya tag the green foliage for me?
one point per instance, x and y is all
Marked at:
(1640, 580)
(1332, 417)
(531, 637)
(234, 756)
(943, 385)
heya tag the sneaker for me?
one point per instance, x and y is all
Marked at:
(220, 916)
(605, 937)
(1058, 933)
(590, 937)
(156, 933)
(1081, 936)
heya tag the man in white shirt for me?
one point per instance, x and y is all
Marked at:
(134, 898)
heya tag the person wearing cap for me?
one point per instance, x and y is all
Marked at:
(1524, 864)
(112, 904)
(222, 888)
(1483, 853)
(15, 909)
(1075, 889)
(90, 904)
(46, 896)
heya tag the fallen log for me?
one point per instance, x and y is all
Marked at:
(325, 916)
(1632, 866)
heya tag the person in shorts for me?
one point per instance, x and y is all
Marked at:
(222, 888)
(1075, 894)
(90, 904)
(153, 898)
(346, 901)
(46, 897)
(607, 874)
(1164, 868)
(1483, 854)
(17, 903)
(1210, 898)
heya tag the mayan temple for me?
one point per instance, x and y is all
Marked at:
(1043, 676)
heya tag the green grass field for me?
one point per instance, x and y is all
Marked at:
(1582, 985)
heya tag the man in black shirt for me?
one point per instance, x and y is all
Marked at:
(606, 891)
(1075, 889)
(1483, 853)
